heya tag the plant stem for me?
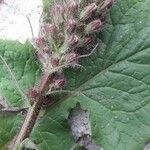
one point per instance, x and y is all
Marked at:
(33, 112)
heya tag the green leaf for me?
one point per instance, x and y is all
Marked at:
(21, 61)
(115, 87)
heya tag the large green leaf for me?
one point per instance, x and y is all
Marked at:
(21, 61)
(115, 87)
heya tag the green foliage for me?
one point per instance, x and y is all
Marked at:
(20, 59)
(115, 87)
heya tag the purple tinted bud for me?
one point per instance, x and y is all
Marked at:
(40, 42)
(71, 25)
(71, 57)
(47, 50)
(57, 12)
(72, 7)
(59, 83)
(109, 3)
(73, 41)
(94, 26)
(87, 11)
(87, 40)
(55, 61)
(50, 29)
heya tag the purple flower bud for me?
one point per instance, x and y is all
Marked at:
(71, 25)
(72, 7)
(56, 13)
(47, 50)
(40, 42)
(87, 40)
(59, 83)
(71, 57)
(109, 3)
(94, 26)
(55, 61)
(87, 11)
(73, 41)
(50, 29)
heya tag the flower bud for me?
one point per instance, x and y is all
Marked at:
(87, 41)
(71, 57)
(93, 26)
(107, 4)
(55, 61)
(50, 29)
(59, 83)
(72, 7)
(40, 42)
(71, 25)
(46, 50)
(57, 12)
(73, 41)
(87, 11)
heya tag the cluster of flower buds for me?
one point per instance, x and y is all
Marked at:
(70, 33)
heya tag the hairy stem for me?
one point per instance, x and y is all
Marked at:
(33, 112)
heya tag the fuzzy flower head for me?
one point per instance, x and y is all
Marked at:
(71, 31)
